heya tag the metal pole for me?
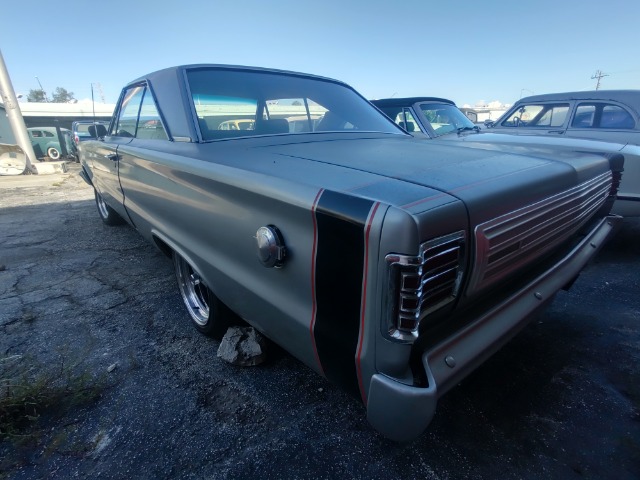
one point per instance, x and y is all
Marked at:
(46, 99)
(62, 139)
(93, 104)
(15, 115)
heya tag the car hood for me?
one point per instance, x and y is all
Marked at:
(531, 141)
(489, 182)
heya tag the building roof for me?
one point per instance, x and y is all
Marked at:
(74, 110)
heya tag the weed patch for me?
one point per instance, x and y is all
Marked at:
(29, 390)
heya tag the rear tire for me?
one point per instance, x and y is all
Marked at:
(107, 214)
(208, 314)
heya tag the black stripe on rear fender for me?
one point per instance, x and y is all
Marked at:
(341, 221)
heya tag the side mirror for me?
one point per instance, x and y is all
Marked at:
(489, 123)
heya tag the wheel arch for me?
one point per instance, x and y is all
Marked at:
(168, 247)
(162, 245)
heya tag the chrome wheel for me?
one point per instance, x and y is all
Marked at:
(102, 206)
(195, 293)
(108, 215)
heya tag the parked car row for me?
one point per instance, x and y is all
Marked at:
(57, 143)
(439, 119)
(608, 115)
(391, 265)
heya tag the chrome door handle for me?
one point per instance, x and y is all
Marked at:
(112, 156)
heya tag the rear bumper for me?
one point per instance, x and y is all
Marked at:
(402, 412)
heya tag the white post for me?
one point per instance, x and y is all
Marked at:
(15, 115)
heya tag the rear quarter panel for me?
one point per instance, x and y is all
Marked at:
(210, 213)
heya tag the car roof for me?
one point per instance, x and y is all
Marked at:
(162, 74)
(628, 97)
(408, 101)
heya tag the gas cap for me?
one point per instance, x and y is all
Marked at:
(271, 248)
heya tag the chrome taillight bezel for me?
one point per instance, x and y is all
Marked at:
(421, 284)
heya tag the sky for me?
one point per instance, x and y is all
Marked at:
(468, 51)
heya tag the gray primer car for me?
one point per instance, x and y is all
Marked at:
(391, 266)
(441, 120)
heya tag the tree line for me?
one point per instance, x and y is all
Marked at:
(60, 95)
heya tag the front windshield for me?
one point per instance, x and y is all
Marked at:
(444, 118)
(231, 103)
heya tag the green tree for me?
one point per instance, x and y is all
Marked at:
(36, 96)
(61, 95)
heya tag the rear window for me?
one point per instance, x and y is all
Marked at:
(82, 130)
(232, 103)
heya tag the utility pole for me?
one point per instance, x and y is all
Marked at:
(99, 88)
(598, 75)
(15, 115)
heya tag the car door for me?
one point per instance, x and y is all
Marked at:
(143, 177)
(106, 157)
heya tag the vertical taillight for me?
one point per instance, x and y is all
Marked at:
(424, 283)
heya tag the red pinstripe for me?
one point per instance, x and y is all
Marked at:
(364, 303)
(314, 305)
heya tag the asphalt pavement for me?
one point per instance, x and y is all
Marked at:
(561, 400)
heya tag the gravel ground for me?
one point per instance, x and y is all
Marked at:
(561, 400)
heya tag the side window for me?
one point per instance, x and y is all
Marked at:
(614, 116)
(522, 116)
(128, 112)
(552, 117)
(547, 115)
(150, 126)
(602, 115)
(48, 134)
(584, 117)
(408, 122)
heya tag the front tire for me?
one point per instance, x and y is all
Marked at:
(208, 314)
(107, 214)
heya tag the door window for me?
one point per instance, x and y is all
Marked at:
(150, 125)
(138, 116)
(128, 112)
(546, 115)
